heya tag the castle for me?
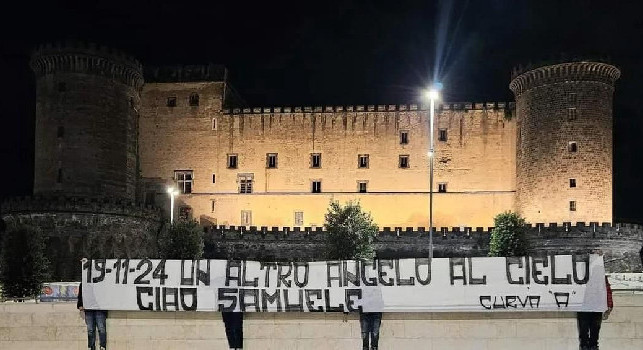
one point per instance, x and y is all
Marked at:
(108, 131)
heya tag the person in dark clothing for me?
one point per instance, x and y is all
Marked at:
(589, 323)
(369, 323)
(233, 329)
(93, 319)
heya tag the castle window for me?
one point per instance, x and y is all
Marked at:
(214, 178)
(316, 186)
(246, 217)
(442, 135)
(572, 98)
(442, 187)
(572, 205)
(171, 101)
(271, 160)
(232, 161)
(194, 99)
(213, 205)
(362, 161)
(572, 183)
(183, 179)
(361, 186)
(571, 114)
(299, 218)
(572, 146)
(315, 160)
(60, 176)
(404, 161)
(61, 131)
(62, 87)
(245, 182)
(214, 123)
(404, 137)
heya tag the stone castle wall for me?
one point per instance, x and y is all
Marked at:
(476, 162)
(564, 115)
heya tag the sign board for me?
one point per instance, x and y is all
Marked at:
(547, 283)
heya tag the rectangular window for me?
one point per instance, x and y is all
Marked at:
(232, 161)
(245, 182)
(442, 135)
(315, 160)
(171, 101)
(361, 186)
(214, 124)
(362, 161)
(61, 131)
(214, 178)
(404, 161)
(246, 217)
(572, 146)
(572, 183)
(572, 99)
(316, 186)
(271, 160)
(571, 114)
(404, 137)
(299, 218)
(60, 175)
(572, 205)
(442, 187)
(183, 179)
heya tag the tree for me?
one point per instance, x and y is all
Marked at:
(508, 235)
(349, 232)
(181, 240)
(24, 266)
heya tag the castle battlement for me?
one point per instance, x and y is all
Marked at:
(186, 73)
(80, 204)
(461, 106)
(88, 58)
(563, 72)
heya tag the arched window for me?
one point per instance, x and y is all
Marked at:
(194, 99)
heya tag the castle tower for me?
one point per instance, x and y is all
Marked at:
(564, 145)
(87, 100)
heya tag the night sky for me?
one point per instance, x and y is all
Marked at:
(282, 53)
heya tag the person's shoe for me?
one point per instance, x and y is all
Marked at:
(102, 348)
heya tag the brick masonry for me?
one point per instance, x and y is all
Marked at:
(58, 326)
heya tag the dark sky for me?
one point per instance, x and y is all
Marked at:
(338, 52)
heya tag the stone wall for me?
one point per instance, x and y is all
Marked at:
(476, 162)
(58, 326)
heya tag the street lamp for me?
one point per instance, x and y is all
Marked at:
(173, 192)
(433, 95)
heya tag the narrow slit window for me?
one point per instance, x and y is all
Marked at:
(60, 175)
(214, 124)
(214, 178)
(61, 131)
(213, 205)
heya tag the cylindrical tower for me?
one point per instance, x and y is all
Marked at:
(564, 145)
(87, 100)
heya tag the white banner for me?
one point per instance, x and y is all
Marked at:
(548, 283)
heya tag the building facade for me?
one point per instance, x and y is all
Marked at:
(548, 157)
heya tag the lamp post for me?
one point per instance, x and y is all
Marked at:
(433, 95)
(173, 192)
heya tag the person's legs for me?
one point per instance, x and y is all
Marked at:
(363, 325)
(582, 321)
(594, 324)
(90, 321)
(101, 324)
(376, 321)
(234, 329)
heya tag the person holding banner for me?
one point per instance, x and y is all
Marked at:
(93, 319)
(589, 323)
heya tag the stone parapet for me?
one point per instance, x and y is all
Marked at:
(372, 108)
